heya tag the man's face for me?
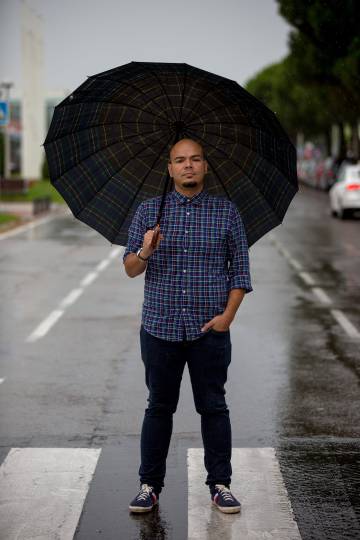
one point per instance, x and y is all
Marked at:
(187, 166)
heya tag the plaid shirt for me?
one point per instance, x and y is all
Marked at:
(203, 254)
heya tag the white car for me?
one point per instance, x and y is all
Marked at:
(345, 193)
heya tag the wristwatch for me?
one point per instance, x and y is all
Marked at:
(140, 257)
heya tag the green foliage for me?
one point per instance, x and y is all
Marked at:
(42, 188)
(325, 48)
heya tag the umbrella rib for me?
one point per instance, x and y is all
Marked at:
(112, 103)
(183, 92)
(161, 85)
(201, 99)
(132, 86)
(238, 165)
(240, 143)
(283, 134)
(94, 153)
(101, 125)
(252, 150)
(111, 177)
(219, 178)
(142, 182)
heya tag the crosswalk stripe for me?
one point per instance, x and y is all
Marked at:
(42, 491)
(257, 482)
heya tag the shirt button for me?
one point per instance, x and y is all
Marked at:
(185, 250)
(184, 292)
(188, 213)
(184, 309)
(184, 270)
(186, 232)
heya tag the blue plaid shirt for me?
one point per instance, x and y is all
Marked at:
(203, 254)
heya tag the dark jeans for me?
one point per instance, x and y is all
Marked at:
(208, 359)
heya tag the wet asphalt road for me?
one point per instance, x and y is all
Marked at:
(293, 381)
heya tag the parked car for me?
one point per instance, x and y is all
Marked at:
(345, 192)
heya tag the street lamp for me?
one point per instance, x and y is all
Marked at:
(6, 85)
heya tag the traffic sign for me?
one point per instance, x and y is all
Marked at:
(4, 113)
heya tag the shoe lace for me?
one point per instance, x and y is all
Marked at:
(144, 492)
(225, 492)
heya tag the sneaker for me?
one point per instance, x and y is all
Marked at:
(145, 500)
(225, 500)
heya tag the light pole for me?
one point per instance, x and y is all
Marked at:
(6, 86)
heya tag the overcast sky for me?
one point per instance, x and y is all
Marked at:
(232, 38)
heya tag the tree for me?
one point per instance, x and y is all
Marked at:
(325, 52)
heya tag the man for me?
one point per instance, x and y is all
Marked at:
(196, 277)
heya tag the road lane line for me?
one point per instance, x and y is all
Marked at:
(321, 295)
(43, 328)
(71, 298)
(345, 323)
(305, 276)
(102, 265)
(42, 491)
(339, 316)
(89, 278)
(295, 264)
(257, 482)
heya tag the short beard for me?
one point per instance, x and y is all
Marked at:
(189, 184)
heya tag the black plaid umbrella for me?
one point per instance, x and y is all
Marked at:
(108, 145)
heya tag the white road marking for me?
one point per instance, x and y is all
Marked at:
(102, 265)
(321, 295)
(295, 264)
(43, 328)
(305, 276)
(89, 278)
(71, 298)
(2, 380)
(348, 326)
(31, 226)
(257, 482)
(339, 316)
(42, 491)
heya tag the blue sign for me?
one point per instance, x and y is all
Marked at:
(4, 113)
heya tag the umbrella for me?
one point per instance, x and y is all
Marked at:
(108, 145)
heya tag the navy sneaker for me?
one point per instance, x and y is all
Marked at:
(145, 500)
(225, 500)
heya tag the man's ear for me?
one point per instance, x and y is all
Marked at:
(170, 169)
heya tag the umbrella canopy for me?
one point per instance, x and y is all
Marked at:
(108, 145)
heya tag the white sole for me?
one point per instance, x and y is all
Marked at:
(229, 510)
(140, 509)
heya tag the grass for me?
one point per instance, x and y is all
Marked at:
(43, 188)
(7, 218)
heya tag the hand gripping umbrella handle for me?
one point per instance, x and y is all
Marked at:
(155, 236)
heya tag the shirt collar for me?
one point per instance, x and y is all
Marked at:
(179, 198)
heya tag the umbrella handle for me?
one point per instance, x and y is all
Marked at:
(155, 236)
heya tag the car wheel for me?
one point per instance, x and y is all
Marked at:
(343, 213)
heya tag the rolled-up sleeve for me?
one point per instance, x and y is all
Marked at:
(136, 232)
(238, 253)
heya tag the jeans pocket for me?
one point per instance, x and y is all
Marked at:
(220, 332)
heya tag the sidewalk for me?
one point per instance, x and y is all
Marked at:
(24, 213)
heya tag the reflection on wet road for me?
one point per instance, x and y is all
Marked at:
(293, 387)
